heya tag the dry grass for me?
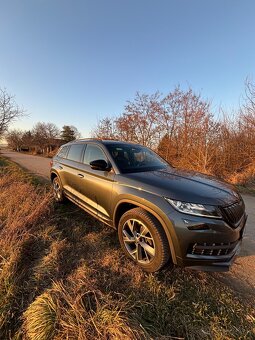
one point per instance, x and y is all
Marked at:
(247, 176)
(245, 179)
(63, 276)
(41, 318)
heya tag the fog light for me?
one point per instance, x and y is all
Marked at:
(192, 225)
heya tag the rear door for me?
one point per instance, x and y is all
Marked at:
(72, 171)
(59, 162)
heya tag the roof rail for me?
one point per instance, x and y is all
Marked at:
(101, 139)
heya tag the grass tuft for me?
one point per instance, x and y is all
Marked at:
(40, 318)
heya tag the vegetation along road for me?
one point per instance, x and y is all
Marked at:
(242, 274)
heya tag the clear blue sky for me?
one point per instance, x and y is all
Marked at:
(73, 62)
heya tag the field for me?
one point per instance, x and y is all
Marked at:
(63, 276)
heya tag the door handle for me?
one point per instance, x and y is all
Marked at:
(80, 175)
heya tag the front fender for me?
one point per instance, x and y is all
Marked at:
(154, 207)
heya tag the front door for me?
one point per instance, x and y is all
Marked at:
(97, 184)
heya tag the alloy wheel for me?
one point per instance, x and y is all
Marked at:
(57, 189)
(138, 241)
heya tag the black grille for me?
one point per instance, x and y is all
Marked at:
(211, 249)
(233, 213)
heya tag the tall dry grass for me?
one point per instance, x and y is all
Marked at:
(63, 276)
(23, 211)
(244, 177)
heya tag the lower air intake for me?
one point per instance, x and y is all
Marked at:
(211, 249)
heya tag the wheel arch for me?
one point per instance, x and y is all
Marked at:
(127, 204)
(53, 174)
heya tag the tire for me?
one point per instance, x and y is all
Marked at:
(143, 239)
(58, 190)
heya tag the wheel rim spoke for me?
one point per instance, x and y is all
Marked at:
(133, 253)
(138, 241)
(147, 256)
(127, 237)
(57, 190)
(144, 230)
(139, 253)
(130, 224)
(148, 238)
(148, 249)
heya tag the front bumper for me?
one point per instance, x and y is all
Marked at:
(211, 246)
(218, 263)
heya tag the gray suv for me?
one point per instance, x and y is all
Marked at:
(162, 214)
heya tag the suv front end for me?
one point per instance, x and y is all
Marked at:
(209, 242)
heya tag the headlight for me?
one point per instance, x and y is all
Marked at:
(195, 209)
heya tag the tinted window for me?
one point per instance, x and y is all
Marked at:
(93, 153)
(63, 151)
(134, 158)
(75, 152)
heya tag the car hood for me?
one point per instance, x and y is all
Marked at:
(183, 185)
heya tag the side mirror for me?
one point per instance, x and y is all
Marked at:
(100, 164)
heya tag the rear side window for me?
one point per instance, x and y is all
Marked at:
(93, 153)
(63, 151)
(75, 152)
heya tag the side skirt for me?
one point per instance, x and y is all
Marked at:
(82, 206)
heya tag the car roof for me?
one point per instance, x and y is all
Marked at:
(101, 141)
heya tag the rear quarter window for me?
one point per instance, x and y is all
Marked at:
(63, 152)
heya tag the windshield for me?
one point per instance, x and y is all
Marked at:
(135, 158)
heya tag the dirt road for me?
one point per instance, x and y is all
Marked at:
(35, 164)
(242, 274)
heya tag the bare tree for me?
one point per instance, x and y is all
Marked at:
(44, 136)
(105, 129)
(27, 140)
(138, 123)
(52, 134)
(188, 127)
(247, 120)
(9, 111)
(248, 109)
(14, 139)
(140, 120)
(39, 137)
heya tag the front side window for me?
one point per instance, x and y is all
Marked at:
(75, 152)
(135, 158)
(93, 153)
